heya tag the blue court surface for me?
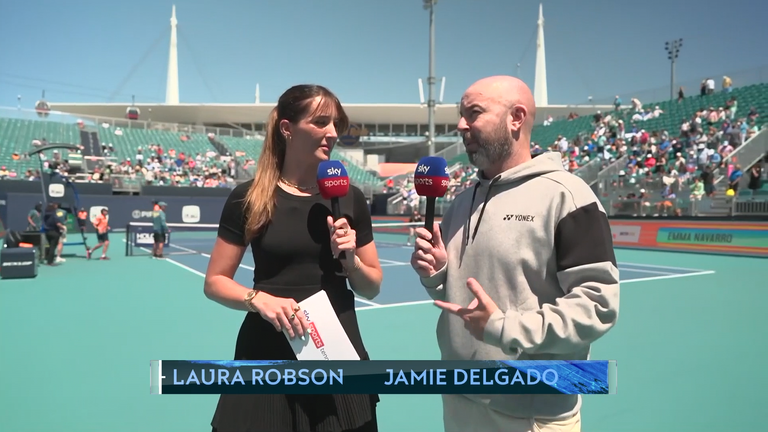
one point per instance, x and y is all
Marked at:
(402, 287)
(677, 311)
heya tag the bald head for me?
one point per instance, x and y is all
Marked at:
(497, 117)
(508, 93)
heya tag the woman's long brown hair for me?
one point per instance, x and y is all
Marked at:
(293, 106)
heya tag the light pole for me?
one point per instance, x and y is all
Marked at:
(429, 5)
(673, 49)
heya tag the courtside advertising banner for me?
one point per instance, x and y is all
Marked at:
(730, 237)
(594, 377)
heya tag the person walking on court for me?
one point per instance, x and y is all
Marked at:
(415, 218)
(159, 229)
(546, 293)
(101, 223)
(295, 244)
(53, 227)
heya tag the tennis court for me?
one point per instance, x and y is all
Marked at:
(76, 342)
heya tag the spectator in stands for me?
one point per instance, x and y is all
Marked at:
(734, 178)
(697, 190)
(680, 94)
(727, 83)
(617, 103)
(710, 86)
(752, 114)
(732, 106)
(756, 177)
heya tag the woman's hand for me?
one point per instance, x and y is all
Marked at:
(283, 313)
(343, 238)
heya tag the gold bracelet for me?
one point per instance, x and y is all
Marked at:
(248, 300)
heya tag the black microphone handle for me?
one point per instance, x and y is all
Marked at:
(429, 218)
(336, 209)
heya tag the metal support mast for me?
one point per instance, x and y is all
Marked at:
(429, 5)
(673, 49)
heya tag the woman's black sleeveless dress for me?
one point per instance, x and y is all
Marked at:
(293, 259)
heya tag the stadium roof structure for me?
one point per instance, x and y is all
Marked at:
(257, 113)
(206, 114)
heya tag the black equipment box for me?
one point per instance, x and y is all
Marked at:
(18, 263)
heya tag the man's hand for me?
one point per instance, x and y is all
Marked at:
(429, 255)
(477, 314)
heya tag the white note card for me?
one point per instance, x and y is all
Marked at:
(326, 339)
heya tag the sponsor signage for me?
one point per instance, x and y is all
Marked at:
(738, 238)
(625, 233)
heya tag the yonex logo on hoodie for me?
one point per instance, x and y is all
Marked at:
(519, 218)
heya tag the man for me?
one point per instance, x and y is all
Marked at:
(53, 226)
(101, 223)
(159, 230)
(34, 218)
(61, 214)
(522, 264)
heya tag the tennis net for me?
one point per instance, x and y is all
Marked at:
(185, 239)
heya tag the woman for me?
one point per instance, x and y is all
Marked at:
(295, 242)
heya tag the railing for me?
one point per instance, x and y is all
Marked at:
(590, 171)
(452, 151)
(745, 155)
(61, 117)
(686, 206)
(606, 176)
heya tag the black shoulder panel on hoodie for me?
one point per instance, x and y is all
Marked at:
(583, 237)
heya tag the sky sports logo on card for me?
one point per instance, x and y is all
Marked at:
(315, 336)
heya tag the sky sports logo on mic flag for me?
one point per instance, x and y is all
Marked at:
(431, 177)
(332, 179)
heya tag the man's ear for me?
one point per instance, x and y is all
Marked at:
(517, 116)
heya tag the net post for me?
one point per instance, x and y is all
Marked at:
(127, 237)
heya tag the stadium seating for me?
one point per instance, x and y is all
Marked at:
(17, 135)
(674, 113)
(252, 148)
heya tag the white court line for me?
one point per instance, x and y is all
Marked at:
(373, 305)
(368, 302)
(392, 261)
(647, 271)
(187, 268)
(659, 266)
(205, 255)
(652, 278)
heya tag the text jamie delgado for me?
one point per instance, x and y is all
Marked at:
(382, 377)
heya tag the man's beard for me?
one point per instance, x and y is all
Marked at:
(492, 147)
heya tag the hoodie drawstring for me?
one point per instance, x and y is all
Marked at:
(482, 210)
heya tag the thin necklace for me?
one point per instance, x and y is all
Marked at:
(295, 186)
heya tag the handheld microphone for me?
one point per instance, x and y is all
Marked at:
(431, 180)
(333, 182)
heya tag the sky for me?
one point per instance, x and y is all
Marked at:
(97, 51)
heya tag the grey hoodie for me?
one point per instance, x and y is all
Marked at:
(538, 241)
